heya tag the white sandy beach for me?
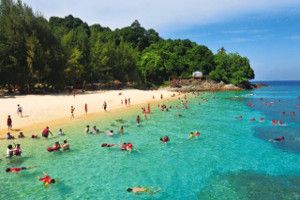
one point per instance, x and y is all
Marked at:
(45, 108)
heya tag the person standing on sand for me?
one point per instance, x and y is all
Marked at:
(72, 112)
(125, 101)
(129, 101)
(86, 108)
(19, 110)
(104, 106)
(161, 96)
(9, 123)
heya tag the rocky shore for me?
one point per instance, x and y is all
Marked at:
(191, 85)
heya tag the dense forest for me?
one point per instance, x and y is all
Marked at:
(59, 52)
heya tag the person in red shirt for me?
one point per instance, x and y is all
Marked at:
(46, 132)
(47, 180)
(9, 123)
(17, 169)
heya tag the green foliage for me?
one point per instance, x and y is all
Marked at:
(231, 68)
(67, 51)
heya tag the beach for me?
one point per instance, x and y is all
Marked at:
(54, 110)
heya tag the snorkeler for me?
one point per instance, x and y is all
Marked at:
(165, 139)
(47, 180)
(138, 190)
(195, 134)
(279, 139)
(17, 169)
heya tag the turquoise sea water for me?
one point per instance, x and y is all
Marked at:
(232, 159)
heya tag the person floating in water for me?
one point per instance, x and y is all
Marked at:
(107, 145)
(138, 190)
(195, 134)
(17, 169)
(278, 139)
(165, 139)
(55, 147)
(47, 180)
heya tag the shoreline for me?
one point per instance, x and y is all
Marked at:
(35, 125)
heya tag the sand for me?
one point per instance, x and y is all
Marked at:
(41, 110)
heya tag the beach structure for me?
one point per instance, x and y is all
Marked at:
(197, 75)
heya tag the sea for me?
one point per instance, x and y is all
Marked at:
(237, 156)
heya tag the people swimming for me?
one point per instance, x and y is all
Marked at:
(194, 134)
(121, 131)
(55, 147)
(95, 130)
(126, 147)
(139, 190)
(46, 131)
(165, 139)
(9, 151)
(87, 129)
(65, 146)
(60, 132)
(17, 150)
(21, 135)
(107, 145)
(261, 119)
(110, 133)
(9, 136)
(34, 136)
(17, 169)
(252, 119)
(47, 180)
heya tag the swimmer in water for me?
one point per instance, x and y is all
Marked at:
(195, 134)
(165, 139)
(279, 139)
(17, 169)
(47, 180)
(138, 190)
(65, 146)
(121, 131)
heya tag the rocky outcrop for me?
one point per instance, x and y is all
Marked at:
(190, 85)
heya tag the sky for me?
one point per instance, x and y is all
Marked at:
(265, 31)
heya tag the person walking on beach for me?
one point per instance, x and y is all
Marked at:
(9, 123)
(125, 101)
(20, 110)
(86, 108)
(129, 101)
(72, 112)
(104, 106)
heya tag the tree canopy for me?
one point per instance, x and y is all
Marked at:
(66, 51)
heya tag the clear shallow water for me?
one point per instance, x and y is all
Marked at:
(229, 155)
